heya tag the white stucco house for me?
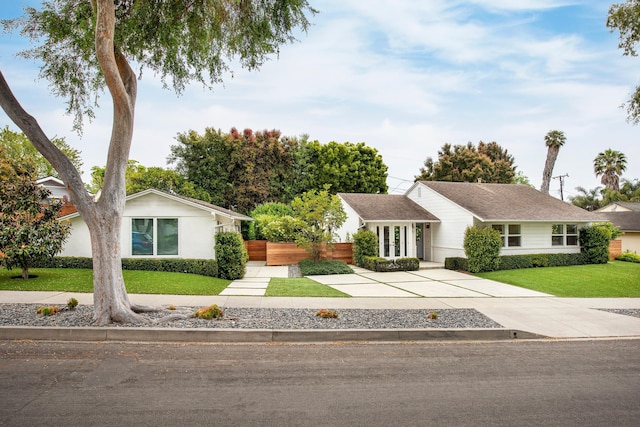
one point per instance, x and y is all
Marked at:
(429, 221)
(626, 216)
(57, 188)
(157, 224)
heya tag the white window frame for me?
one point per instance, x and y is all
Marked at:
(506, 233)
(563, 237)
(154, 236)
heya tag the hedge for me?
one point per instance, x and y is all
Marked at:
(383, 265)
(203, 267)
(323, 267)
(513, 262)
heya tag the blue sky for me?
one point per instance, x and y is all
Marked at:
(405, 77)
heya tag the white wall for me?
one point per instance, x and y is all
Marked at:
(196, 228)
(351, 225)
(536, 239)
(447, 236)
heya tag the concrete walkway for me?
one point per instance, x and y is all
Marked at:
(434, 289)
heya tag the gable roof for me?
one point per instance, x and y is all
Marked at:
(386, 207)
(508, 202)
(626, 206)
(627, 220)
(185, 200)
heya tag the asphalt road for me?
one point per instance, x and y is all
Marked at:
(461, 383)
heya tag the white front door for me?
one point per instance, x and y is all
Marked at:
(395, 241)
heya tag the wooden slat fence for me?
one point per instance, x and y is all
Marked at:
(289, 253)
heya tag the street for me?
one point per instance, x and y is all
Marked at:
(591, 382)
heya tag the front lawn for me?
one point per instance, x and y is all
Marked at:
(300, 287)
(136, 282)
(614, 280)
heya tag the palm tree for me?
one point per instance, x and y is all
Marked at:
(554, 139)
(610, 164)
(588, 199)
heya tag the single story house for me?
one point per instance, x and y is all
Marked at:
(626, 216)
(430, 219)
(158, 224)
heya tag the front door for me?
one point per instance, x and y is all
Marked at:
(419, 241)
(394, 240)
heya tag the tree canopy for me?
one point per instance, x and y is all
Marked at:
(599, 197)
(467, 163)
(243, 170)
(18, 146)
(609, 165)
(625, 17)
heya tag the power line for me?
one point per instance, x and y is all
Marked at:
(561, 178)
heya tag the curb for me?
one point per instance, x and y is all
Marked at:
(257, 335)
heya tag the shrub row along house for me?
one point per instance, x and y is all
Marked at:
(429, 221)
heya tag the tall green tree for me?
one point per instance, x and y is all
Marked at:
(609, 165)
(488, 162)
(18, 146)
(29, 228)
(238, 170)
(344, 167)
(587, 199)
(554, 139)
(625, 17)
(87, 45)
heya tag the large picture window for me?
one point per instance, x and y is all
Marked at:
(154, 236)
(509, 233)
(564, 235)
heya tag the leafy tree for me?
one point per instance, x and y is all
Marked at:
(521, 178)
(263, 215)
(19, 147)
(29, 229)
(554, 139)
(587, 199)
(465, 163)
(89, 45)
(346, 168)
(139, 178)
(321, 213)
(625, 17)
(238, 170)
(609, 165)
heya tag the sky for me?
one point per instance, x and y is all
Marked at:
(403, 76)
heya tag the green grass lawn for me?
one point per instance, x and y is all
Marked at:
(300, 287)
(614, 279)
(136, 282)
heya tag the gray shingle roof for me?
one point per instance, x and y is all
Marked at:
(509, 202)
(386, 207)
(627, 221)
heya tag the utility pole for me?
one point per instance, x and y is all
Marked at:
(561, 178)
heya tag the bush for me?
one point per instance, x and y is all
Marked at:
(323, 267)
(231, 255)
(365, 243)
(281, 229)
(203, 267)
(382, 265)
(513, 262)
(263, 214)
(327, 314)
(629, 256)
(211, 312)
(594, 243)
(482, 247)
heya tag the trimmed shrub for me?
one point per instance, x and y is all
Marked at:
(513, 262)
(365, 243)
(384, 265)
(482, 247)
(264, 214)
(203, 267)
(323, 267)
(629, 256)
(594, 243)
(231, 255)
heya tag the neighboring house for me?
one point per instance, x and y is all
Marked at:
(430, 220)
(626, 216)
(160, 224)
(58, 191)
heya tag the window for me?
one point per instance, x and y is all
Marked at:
(564, 235)
(154, 236)
(509, 233)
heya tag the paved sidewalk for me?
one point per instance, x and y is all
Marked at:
(513, 307)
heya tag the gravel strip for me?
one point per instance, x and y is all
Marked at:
(635, 312)
(264, 318)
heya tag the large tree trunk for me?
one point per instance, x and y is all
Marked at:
(103, 216)
(552, 155)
